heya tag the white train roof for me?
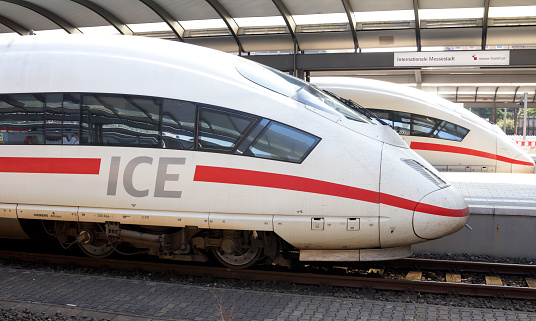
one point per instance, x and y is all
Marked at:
(390, 91)
(141, 48)
(127, 65)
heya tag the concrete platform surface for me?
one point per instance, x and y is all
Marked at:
(496, 193)
(87, 297)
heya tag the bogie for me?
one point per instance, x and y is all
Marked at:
(232, 248)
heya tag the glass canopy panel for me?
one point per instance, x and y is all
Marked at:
(485, 93)
(512, 16)
(149, 27)
(512, 12)
(395, 15)
(452, 13)
(312, 19)
(390, 49)
(448, 93)
(451, 18)
(505, 94)
(379, 20)
(260, 21)
(103, 30)
(203, 24)
(530, 90)
(466, 93)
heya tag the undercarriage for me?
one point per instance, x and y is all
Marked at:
(232, 248)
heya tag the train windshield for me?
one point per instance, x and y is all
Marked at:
(298, 90)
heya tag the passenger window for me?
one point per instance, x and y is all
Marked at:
(221, 130)
(402, 123)
(422, 126)
(451, 131)
(22, 119)
(384, 115)
(71, 119)
(54, 119)
(178, 124)
(282, 142)
(120, 120)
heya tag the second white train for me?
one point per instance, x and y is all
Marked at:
(448, 136)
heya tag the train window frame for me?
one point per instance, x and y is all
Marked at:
(423, 120)
(438, 128)
(31, 137)
(53, 101)
(441, 129)
(267, 127)
(75, 130)
(401, 121)
(101, 99)
(168, 101)
(250, 136)
(200, 107)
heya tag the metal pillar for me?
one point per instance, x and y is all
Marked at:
(504, 121)
(295, 67)
(516, 110)
(525, 98)
(301, 74)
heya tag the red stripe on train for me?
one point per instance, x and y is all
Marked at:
(295, 183)
(465, 151)
(44, 165)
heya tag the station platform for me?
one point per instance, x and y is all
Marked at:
(87, 297)
(502, 216)
(496, 193)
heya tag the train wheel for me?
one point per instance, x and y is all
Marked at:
(97, 251)
(92, 246)
(238, 260)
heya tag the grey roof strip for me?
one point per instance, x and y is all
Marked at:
(229, 21)
(62, 23)
(107, 15)
(177, 29)
(14, 26)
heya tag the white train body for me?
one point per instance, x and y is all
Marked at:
(448, 136)
(246, 167)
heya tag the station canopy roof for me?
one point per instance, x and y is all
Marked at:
(308, 27)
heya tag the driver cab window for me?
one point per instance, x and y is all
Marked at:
(221, 130)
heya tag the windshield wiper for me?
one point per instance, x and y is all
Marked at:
(355, 106)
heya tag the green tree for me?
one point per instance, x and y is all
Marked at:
(509, 125)
(530, 111)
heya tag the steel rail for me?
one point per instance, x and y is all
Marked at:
(289, 277)
(464, 266)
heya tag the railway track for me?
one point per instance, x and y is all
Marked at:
(413, 281)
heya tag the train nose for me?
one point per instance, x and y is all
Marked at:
(523, 164)
(448, 214)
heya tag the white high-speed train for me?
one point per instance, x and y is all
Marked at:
(448, 136)
(181, 151)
